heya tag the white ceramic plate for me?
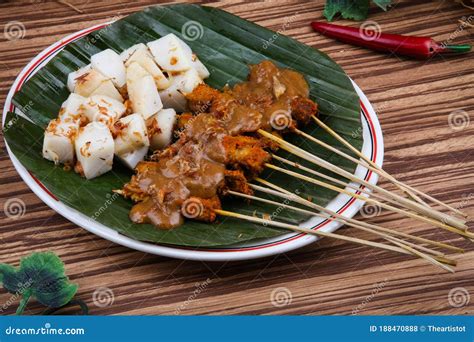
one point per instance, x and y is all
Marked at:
(343, 204)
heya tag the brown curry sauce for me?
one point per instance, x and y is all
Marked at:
(191, 173)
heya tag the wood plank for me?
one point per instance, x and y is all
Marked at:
(413, 99)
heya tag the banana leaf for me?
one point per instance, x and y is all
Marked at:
(226, 44)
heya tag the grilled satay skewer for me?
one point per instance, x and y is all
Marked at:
(216, 152)
(208, 98)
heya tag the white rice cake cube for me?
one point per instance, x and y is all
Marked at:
(58, 141)
(107, 88)
(125, 55)
(73, 76)
(131, 134)
(172, 97)
(94, 149)
(88, 82)
(165, 120)
(71, 108)
(101, 108)
(200, 68)
(109, 63)
(142, 91)
(145, 60)
(131, 159)
(170, 54)
(187, 81)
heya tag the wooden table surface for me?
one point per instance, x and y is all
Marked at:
(414, 101)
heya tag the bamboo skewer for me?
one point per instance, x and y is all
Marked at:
(384, 173)
(373, 201)
(320, 162)
(358, 226)
(427, 257)
(307, 230)
(296, 165)
(359, 162)
(321, 175)
(454, 222)
(285, 194)
(373, 231)
(403, 250)
(280, 192)
(334, 180)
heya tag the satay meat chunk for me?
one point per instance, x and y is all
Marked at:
(201, 98)
(302, 109)
(201, 209)
(235, 180)
(245, 152)
(184, 120)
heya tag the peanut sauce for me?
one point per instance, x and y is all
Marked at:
(195, 165)
(270, 90)
(170, 181)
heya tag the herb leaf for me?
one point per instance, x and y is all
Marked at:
(349, 9)
(40, 275)
(352, 9)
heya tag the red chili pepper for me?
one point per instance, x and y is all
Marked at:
(418, 47)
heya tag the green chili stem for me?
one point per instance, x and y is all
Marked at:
(461, 48)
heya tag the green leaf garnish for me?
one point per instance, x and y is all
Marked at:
(351, 9)
(40, 275)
